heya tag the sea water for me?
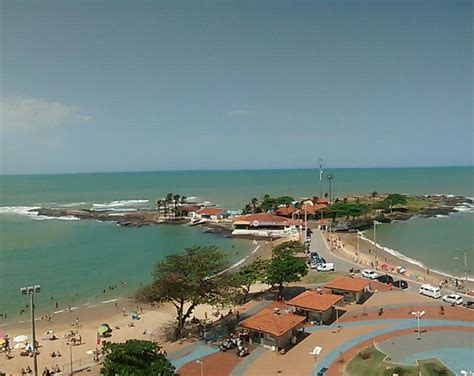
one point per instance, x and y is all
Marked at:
(76, 260)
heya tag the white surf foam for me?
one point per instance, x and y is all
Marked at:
(408, 259)
(29, 211)
(73, 204)
(119, 203)
(109, 301)
(19, 210)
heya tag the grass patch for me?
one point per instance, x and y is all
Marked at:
(415, 204)
(321, 277)
(370, 362)
(367, 362)
(433, 367)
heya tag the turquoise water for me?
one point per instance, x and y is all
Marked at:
(83, 257)
(74, 261)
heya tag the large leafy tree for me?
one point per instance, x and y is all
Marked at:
(135, 357)
(284, 266)
(250, 274)
(188, 279)
(395, 199)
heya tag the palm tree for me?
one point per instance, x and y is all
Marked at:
(254, 203)
(175, 203)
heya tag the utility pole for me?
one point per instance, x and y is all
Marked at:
(465, 271)
(321, 172)
(31, 291)
(330, 177)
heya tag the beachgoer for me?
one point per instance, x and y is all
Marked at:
(123, 311)
(57, 305)
(28, 370)
(46, 372)
(22, 372)
(77, 321)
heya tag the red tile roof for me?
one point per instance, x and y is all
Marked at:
(348, 284)
(264, 218)
(210, 211)
(310, 300)
(267, 321)
(285, 210)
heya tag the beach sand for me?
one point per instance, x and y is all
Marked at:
(364, 254)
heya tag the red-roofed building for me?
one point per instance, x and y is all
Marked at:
(273, 327)
(353, 289)
(211, 213)
(285, 211)
(263, 224)
(316, 307)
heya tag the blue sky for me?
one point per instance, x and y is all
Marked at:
(153, 85)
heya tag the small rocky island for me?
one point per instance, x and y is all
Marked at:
(368, 205)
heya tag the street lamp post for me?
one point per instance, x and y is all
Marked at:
(375, 239)
(202, 366)
(31, 291)
(465, 268)
(418, 315)
(330, 177)
(320, 164)
(70, 355)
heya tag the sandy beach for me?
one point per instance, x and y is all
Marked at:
(116, 313)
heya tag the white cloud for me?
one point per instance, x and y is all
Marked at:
(240, 113)
(25, 114)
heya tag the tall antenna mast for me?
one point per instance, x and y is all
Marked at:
(321, 172)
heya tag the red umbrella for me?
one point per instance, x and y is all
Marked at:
(384, 266)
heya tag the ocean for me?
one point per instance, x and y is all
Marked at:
(75, 261)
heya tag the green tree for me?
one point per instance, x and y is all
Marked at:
(374, 194)
(189, 279)
(395, 199)
(135, 357)
(284, 266)
(250, 274)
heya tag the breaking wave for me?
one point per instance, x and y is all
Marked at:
(120, 203)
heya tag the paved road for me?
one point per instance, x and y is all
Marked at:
(340, 265)
(319, 245)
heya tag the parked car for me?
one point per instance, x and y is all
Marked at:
(387, 279)
(370, 274)
(469, 304)
(401, 284)
(326, 267)
(453, 299)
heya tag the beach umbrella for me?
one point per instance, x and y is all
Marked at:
(20, 346)
(49, 332)
(20, 338)
(384, 266)
(103, 329)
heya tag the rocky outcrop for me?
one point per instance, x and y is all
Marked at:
(133, 219)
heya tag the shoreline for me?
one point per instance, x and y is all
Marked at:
(262, 249)
(345, 246)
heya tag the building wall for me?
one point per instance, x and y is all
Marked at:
(348, 296)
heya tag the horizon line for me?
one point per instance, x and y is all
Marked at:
(231, 170)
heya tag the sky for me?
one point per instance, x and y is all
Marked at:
(89, 86)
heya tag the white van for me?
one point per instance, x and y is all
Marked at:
(328, 267)
(431, 291)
